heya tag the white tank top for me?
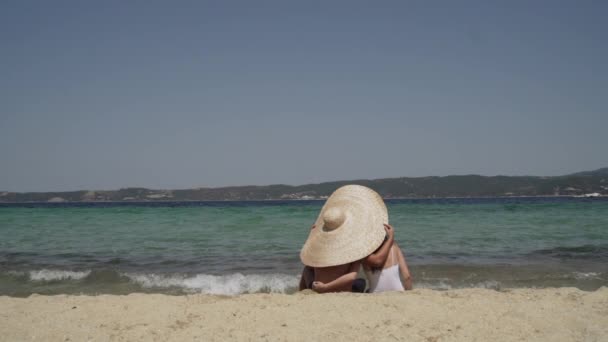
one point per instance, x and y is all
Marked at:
(386, 279)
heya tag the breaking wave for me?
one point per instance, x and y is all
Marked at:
(230, 284)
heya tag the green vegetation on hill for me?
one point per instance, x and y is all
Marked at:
(419, 187)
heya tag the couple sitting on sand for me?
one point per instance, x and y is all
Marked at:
(351, 231)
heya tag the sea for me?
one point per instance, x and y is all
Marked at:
(230, 248)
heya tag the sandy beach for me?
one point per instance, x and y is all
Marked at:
(561, 314)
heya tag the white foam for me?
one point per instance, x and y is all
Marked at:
(48, 275)
(586, 275)
(231, 284)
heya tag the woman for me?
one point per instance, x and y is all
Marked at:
(386, 268)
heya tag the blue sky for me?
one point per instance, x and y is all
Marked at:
(110, 94)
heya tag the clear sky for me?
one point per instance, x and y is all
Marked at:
(110, 94)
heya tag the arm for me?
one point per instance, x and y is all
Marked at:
(378, 258)
(345, 281)
(404, 270)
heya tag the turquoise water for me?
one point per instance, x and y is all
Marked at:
(237, 247)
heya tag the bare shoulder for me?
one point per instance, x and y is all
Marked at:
(396, 246)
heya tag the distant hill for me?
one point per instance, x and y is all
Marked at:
(599, 172)
(575, 184)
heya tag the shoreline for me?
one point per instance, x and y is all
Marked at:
(438, 276)
(552, 314)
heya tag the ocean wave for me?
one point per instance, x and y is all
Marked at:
(51, 275)
(231, 284)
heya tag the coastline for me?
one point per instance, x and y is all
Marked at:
(276, 200)
(552, 314)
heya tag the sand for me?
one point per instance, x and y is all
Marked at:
(563, 314)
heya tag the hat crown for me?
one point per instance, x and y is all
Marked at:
(333, 218)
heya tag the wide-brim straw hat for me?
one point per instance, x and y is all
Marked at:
(349, 228)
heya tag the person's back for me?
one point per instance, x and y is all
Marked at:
(338, 278)
(328, 274)
(386, 278)
(386, 268)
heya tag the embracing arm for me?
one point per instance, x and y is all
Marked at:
(404, 270)
(378, 258)
(345, 281)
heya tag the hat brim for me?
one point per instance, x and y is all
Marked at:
(361, 233)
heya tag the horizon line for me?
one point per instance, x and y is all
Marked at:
(298, 185)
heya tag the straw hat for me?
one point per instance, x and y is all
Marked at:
(349, 228)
